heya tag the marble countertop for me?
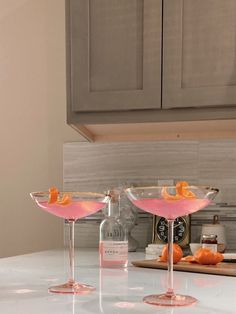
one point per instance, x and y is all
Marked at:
(24, 281)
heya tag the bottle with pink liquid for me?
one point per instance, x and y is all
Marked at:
(113, 245)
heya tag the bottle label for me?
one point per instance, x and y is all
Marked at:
(212, 247)
(114, 250)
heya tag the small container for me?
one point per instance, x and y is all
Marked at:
(218, 229)
(209, 241)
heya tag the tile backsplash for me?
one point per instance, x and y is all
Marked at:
(100, 166)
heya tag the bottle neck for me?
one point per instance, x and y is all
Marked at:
(113, 209)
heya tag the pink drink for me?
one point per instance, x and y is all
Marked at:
(74, 210)
(171, 209)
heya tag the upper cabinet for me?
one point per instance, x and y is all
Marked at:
(148, 61)
(115, 55)
(199, 60)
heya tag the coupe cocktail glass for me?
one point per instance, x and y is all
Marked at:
(166, 202)
(81, 204)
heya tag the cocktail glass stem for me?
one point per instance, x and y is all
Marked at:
(71, 286)
(170, 288)
(72, 250)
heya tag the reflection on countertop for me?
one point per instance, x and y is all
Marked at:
(25, 279)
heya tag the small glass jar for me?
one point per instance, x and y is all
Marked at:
(209, 241)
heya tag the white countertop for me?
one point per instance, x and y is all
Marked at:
(24, 281)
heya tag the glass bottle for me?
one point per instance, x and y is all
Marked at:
(113, 245)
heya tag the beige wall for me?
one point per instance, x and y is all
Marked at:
(33, 115)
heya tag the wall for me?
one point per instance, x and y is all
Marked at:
(98, 167)
(33, 130)
(33, 114)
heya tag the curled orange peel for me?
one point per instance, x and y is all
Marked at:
(182, 192)
(53, 195)
(168, 196)
(66, 199)
(182, 189)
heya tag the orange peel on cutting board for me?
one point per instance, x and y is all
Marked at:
(177, 253)
(204, 256)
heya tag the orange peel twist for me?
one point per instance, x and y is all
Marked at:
(53, 197)
(182, 192)
(66, 199)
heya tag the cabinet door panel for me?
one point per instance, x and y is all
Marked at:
(116, 41)
(114, 53)
(199, 53)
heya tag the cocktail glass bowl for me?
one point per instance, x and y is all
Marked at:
(80, 204)
(167, 202)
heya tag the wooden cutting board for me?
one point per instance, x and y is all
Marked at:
(226, 269)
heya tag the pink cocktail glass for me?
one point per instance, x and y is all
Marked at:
(153, 200)
(81, 204)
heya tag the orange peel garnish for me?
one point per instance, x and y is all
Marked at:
(182, 189)
(182, 192)
(66, 199)
(168, 196)
(53, 195)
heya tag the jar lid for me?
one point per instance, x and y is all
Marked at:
(209, 236)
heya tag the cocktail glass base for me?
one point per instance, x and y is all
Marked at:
(72, 288)
(166, 300)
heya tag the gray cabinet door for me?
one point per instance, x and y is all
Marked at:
(199, 67)
(113, 55)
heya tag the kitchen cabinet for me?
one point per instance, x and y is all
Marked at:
(149, 62)
(199, 60)
(116, 55)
